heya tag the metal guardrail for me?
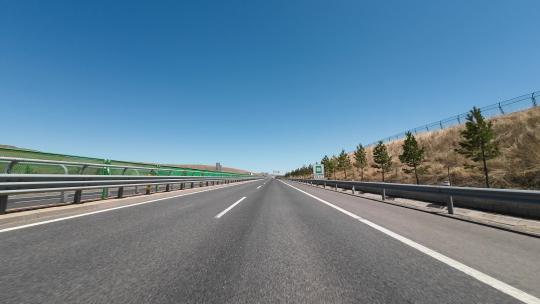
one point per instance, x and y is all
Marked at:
(13, 184)
(524, 203)
(12, 161)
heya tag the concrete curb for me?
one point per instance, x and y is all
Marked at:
(459, 217)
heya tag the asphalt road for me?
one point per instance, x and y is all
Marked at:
(276, 245)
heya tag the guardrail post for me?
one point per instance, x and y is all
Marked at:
(324, 185)
(383, 194)
(105, 193)
(63, 196)
(182, 186)
(77, 198)
(336, 187)
(148, 189)
(192, 185)
(120, 193)
(157, 188)
(353, 189)
(3, 203)
(168, 188)
(451, 205)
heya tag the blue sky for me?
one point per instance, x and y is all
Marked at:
(260, 85)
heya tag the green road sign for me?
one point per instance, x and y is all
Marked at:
(318, 171)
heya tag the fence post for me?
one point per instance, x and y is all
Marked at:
(533, 100)
(451, 205)
(501, 109)
(77, 198)
(3, 203)
(82, 169)
(106, 171)
(120, 193)
(9, 166)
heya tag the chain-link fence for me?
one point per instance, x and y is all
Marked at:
(504, 107)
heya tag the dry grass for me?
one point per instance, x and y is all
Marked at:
(518, 166)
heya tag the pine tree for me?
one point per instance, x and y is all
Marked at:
(332, 164)
(477, 141)
(360, 160)
(329, 166)
(383, 161)
(413, 155)
(344, 162)
(324, 162)
(309, 171)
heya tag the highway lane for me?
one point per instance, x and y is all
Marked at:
(506, 255)
(276, 245)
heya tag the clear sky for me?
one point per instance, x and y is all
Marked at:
(260, 85)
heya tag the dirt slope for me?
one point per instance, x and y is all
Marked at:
(518, 166)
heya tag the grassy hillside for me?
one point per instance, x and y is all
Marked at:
(210, 167)
(518, 166)
(12, 151)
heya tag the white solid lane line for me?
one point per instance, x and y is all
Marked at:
(480, 276)
(110, 209)
(230, 207)
(259, 186)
